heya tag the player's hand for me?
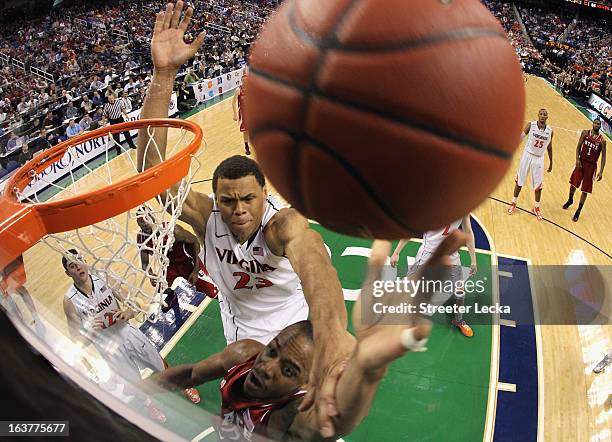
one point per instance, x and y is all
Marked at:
(394, 259)
(473, 269)
(599, 176)
(168, 48)
(380, 336)
(124, 315)
(98, 324)
(332, 350)
(549, 168)
(235, 118)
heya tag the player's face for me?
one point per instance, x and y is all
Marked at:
(596, 125)
(280, 369)
(77, 270)
(542, 116)
(241, 203)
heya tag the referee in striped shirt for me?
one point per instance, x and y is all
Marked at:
(115, 112)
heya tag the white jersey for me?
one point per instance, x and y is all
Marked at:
(99, 305)
(433, 238)
(260, 293)
(538, 140)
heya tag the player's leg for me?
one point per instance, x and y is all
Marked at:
(145, 355)
(570, 198)
(205, 284)
(588, 176)
(456, 276)
(575, 182)
(601, 365)
(521, 176)
(245, 137)
(537, 181)
(583, 198)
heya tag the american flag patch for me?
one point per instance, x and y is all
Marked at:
(258, 251)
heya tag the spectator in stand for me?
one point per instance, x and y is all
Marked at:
(96, 99)
(130, 86)
(42, 141)
(96, 84)
(73, 129)
(85, 123)
(191, 77)
(13, 142)
(25, 155)
(86, 104)
(50, 121)
(70, 112)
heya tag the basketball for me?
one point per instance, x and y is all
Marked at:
(384, 118)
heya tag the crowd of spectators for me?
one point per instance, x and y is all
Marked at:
(95, 49)
(569, 46)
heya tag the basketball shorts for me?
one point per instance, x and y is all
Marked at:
(584, 175)
(127, 351)
(457, 275)
(535, 165)
(262, 327)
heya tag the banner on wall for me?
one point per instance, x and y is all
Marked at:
(81, 154)
(602, 106)
(210, 88)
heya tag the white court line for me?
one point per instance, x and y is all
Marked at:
(190, 308)
(507, 322)
(505, 274)
(203, 434)
(503, 386)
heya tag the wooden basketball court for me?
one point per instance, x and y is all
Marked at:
(573, 403)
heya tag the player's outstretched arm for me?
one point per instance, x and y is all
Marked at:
(603, 159)
(466, 224)
(378, 345)
(580, 141)
(396, 253)
(169, 52)
(289, 235)
(550, 152)
(213, 367)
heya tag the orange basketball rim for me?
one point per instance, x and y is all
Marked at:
(23, 224)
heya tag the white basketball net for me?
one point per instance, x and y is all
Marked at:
(111, 248)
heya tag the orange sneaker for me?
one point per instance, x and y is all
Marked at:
(192, 394)
(538, 213)
(512, 208)
(465, 329)
(156, 414)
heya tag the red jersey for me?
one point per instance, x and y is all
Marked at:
(242, 416)
(180, 252)
(591, 148)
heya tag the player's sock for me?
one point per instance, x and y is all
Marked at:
(246, 148)
(537, 204)
(514, 198)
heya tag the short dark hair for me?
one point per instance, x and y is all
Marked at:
(65, 259)
(301, 328)
(237, 167)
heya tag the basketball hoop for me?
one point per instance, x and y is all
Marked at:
(87, 200)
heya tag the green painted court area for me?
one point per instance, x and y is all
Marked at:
(440, 394)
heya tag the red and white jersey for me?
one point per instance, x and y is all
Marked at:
(99, 305)
(538, 139)
(241, 417)
(591, 147)
(179, 252)
(433, 238)
(240, 97)
(259, 291)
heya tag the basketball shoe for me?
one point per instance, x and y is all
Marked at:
(463, 327)
(512, 208)
(192, 394)
(601, 366)
(538, 213)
